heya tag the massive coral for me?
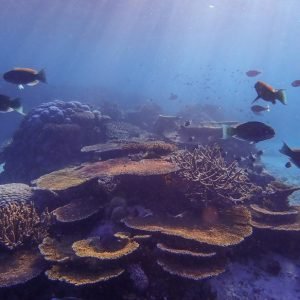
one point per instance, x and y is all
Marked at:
(210, 179)
(20, 222)
(50, 136)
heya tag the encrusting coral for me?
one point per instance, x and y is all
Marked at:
(210, 179)
(20, 222)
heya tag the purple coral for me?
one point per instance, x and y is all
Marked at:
(50, 137)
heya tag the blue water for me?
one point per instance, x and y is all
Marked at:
(132, 51)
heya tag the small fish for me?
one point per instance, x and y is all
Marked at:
(187, 123)
(294, 154)
(252, 73)
(257, 109)
(288, 164)
(260, 153)
(268, 93)
(295, 83)
(250, 131)
(191, 138)
(252, 158)
(21, 76)
(173, 96)
(7, 105)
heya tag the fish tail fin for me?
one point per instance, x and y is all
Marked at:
(16, 105)
(41, 76)
(256, 98)
(227, 131)
(281, 96)
(286, 150)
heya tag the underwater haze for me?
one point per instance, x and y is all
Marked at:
(130, 51)
(125, 65)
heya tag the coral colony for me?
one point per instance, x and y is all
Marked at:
(118, 211)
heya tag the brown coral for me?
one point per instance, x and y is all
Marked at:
(20, 222)
(122, 148)
(81, 275)
(230, 228)
(78, 209)
(57, 251)
(71, 177)
(191, 269)
(263, 218)
(20, 266)
(93, 247)
(167, 249)
(210, 179)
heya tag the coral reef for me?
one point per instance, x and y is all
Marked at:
(49, 137)
(80, 275)
(93, 247)
(74, 176)
(57, 251)
(122, 148)
(20, 266)
(20, 222)
(15, 192)
(191, 270)
(78, 209)
(210, 179)
(230, 228)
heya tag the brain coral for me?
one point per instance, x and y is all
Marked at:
(49, 137)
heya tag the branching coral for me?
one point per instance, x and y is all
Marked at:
(210, 179)
(20, 222)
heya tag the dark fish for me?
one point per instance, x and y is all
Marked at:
(268, 93)
(294, 154)
(191, 138)
(295, 83)
(252, 73)
(288, 164)
(260, 152)
(7, 105)
(173, 96)
(21, 76)
(252, 157)
(187, 123)
(249, 131)
(257, 109)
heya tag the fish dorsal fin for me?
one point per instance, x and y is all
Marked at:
(33, 83)
(26, 70)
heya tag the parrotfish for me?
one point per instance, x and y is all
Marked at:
(249, 131)
(21, 76)
(7, 105)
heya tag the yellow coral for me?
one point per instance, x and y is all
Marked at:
(78, 276)
(92, 248)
